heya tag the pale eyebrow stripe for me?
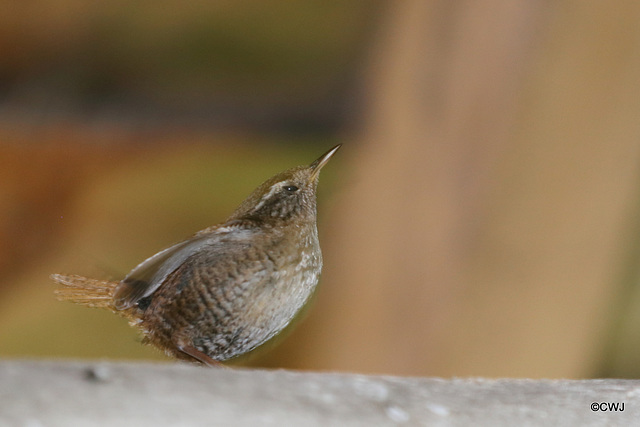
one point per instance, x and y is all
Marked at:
(274, 188)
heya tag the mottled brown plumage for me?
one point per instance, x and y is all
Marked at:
(229, 288)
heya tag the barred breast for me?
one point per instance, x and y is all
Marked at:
(227, 300)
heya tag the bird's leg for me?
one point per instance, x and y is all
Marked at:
(200, 356)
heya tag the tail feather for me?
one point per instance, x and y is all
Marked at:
(85, 291)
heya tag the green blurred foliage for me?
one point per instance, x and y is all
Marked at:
(171, 50)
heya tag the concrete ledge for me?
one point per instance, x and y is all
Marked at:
(57, 393)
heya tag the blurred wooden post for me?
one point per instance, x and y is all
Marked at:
(482, 217)
(73, 394)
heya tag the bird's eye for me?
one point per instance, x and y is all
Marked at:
(291, 188)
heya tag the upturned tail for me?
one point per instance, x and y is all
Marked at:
(85, 291)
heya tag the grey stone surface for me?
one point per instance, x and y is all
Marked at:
(72, 393)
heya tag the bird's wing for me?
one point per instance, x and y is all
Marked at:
(147, 277)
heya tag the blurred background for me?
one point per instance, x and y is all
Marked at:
(482, 218)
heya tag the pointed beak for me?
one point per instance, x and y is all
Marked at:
(322, 160)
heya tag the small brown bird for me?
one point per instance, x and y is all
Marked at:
(230, 287)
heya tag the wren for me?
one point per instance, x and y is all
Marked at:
(228, 288)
